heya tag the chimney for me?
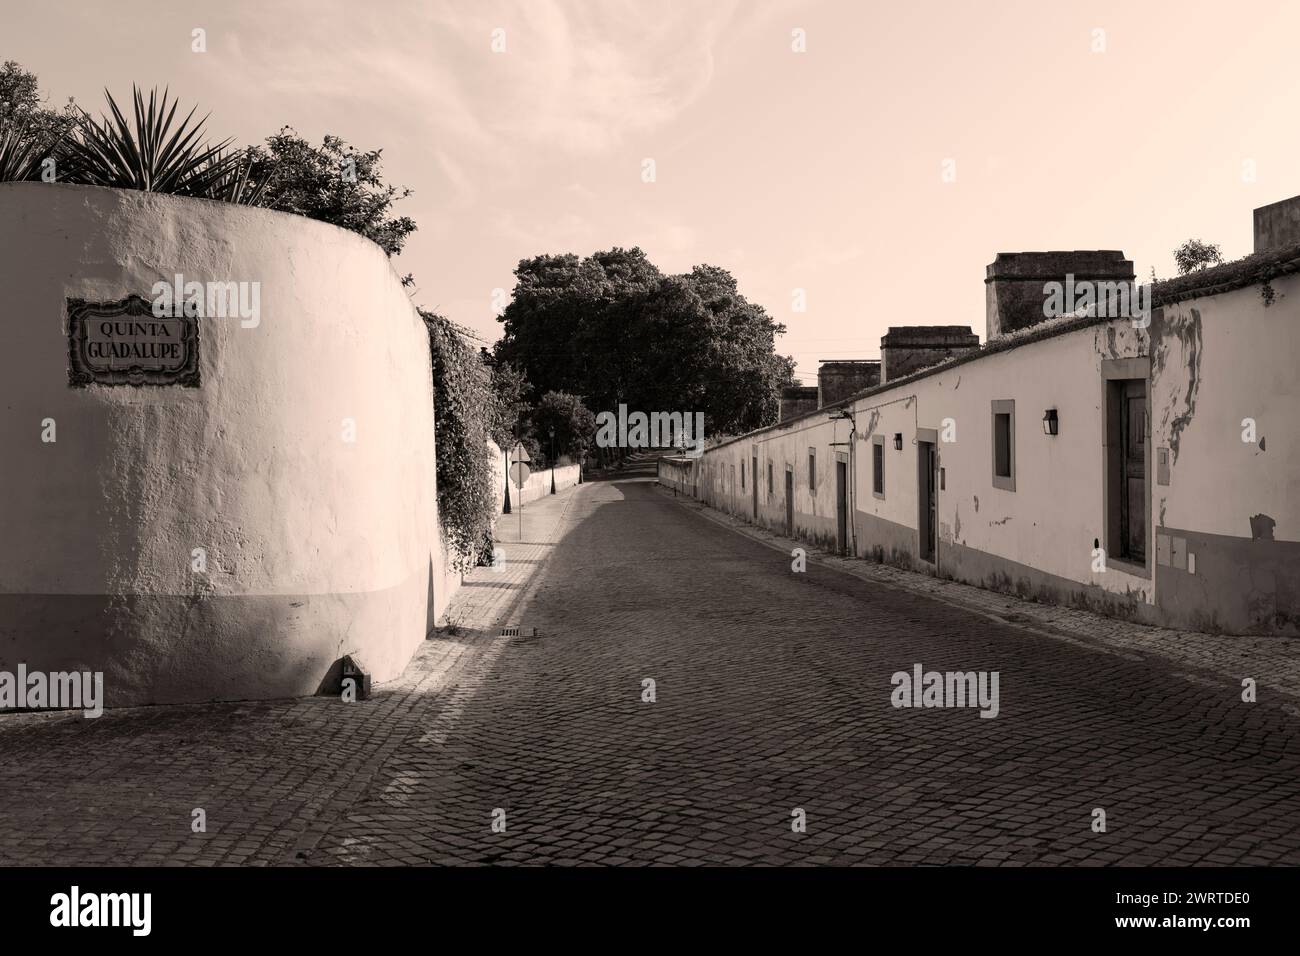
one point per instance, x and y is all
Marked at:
(837, 379)
(910, 348)
(1015, 291)
(796, 400)
(1278, 225)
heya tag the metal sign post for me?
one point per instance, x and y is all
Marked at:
(519, 472)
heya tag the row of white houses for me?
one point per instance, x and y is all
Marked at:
(1146, 467)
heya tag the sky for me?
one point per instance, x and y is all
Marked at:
(875, 156)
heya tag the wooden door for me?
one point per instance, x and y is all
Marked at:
(1133, 477)
(841, 507)
(927, 498)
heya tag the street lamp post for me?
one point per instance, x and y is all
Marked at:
(506, 509)
(552, 434)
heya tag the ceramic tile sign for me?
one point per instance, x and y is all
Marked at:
(124, 343)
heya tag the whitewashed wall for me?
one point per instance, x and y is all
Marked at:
(316, 547)
(1214, 361)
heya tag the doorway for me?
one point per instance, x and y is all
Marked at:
(1126, 499)
(1133, 477)
(753, 473)
(841, 507)
(789, 503)
(927, 497)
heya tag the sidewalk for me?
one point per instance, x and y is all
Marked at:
(1215, 659)
(523, 539)
(452, 666)
(277, 780)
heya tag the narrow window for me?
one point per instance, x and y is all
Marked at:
(769, 478)
(742, 476)
(878, 466)
(1004, 444)
(812, 470)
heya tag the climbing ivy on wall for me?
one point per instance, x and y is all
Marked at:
(463, 407)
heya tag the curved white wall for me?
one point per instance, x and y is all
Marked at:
(316, 547)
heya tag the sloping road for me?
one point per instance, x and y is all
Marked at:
(773, 695)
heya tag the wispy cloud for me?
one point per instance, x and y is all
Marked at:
(572, 77)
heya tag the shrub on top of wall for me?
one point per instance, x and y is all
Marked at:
(149, 146)
(154, 151)
(462, 404)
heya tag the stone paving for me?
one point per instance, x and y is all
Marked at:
(272, 777)
(771, 696)
(1272, 661)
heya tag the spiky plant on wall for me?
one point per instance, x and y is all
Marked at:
(243, 182)
(154, 153)
(21, 151)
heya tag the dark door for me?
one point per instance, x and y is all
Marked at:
(841, 507)
(1133, 478)
(927, 497)
(789, 504)
(753, 473)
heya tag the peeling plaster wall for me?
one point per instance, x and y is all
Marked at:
(1214, 361)
(1228, 521)
(316, 547)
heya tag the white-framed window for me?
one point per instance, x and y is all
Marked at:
(1004, 444)
(878, 466)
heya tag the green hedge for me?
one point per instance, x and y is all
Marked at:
(463, 405)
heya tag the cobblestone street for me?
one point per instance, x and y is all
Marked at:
(772, 694)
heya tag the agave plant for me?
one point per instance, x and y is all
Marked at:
(22, 150)
(154, 154)
(243, 182)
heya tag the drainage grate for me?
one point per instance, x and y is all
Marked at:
(512, 631)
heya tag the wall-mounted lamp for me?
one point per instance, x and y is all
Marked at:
(898, 441)
(1050, 423)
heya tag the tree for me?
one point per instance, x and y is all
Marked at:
(29, 131)
(571, 422)
(19, 89)
(334, 182)
(21, 99)
(562, 325)
(611, 328)
(1194, 254)
(509, 389)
